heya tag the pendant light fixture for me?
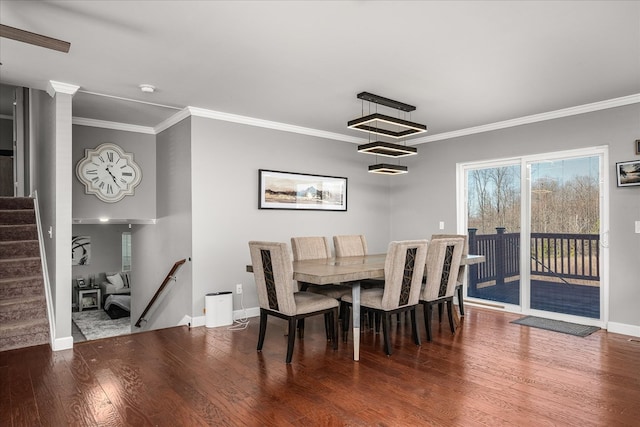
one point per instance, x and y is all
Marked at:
(387, 169)
(387, 126)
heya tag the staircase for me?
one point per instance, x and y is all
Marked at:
(23, 306)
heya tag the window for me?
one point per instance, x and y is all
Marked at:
(126, 251)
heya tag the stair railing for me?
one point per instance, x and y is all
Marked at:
(170, 276)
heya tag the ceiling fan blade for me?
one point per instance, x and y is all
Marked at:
(33, 38)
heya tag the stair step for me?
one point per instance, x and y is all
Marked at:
(20, 267)
(17, 216)
(16, 203)
(23, 308)
(18, 232)
(19, 249)
(15, 288)
(24, 333)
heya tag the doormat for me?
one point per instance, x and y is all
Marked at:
(557, 326)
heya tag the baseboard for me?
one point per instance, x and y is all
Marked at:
(62, 343)
(237, 314)
(624, 329)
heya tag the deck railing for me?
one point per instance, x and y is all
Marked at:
(560, 255)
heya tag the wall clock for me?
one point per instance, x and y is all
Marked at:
(108, 172)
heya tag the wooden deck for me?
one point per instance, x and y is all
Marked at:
(490, 373)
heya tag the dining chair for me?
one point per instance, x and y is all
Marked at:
(316, 247)
(277, 296)
(403, 272)
(461, 272)
(442, 264)
(307, 248)
(355, 245)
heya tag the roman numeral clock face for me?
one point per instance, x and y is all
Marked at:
(108, 172)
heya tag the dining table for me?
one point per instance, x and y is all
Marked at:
(350, 271)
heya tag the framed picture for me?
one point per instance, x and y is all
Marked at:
(638, 147)
(297, 191)
(80, 250)
(628, 173)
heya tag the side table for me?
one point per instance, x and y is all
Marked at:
(89, 298)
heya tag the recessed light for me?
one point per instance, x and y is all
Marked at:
(104, 219)
(146, 88)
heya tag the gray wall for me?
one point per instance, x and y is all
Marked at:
(427, 194)
(140, 206)
(106, 249)
(156, 247)
(52, 181)
(225, 162)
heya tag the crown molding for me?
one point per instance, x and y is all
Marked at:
(565, 112)
(250, 121)
(218, 115)
(178, 117)
(54, 87)
(112, 125)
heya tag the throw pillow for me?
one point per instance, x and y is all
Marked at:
(116, 281)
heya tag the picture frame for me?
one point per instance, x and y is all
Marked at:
(80, 250)
(300, 191)
(628, 173)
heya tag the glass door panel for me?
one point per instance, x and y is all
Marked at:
(565, 236)
(493, 203)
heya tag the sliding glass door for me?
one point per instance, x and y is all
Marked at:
(538, 221)
(564, 224)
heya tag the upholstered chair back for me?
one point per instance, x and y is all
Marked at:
(403, 271)
(443, 264)
(350, 245)
(465, 250)
(305, 248)
(273, 274)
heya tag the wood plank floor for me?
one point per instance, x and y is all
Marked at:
(490, 373)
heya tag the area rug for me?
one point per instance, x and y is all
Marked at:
(96, 324)
(556, 326)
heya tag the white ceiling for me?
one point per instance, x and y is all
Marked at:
(462, 64)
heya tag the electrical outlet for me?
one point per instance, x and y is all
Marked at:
(239, 288)
(637, 226)
(441, 225)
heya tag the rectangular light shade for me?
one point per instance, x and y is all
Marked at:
(387, 149)
(387, 169)
(382, 124)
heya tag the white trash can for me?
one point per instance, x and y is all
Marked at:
(218, 309)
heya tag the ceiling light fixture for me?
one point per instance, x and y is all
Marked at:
(387, 169)
(146, 88)
(381, 124)
(387, 149)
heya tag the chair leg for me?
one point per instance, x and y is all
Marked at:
(460, 302)
(291, 338)
(263, 329)
(386, 327)
(450, 313)
(440, 310)
(427, 320)
(301, 328)
(414, 327)
(334, 328)
(345, 321)
(327, 326)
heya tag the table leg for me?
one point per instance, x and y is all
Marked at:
(355, 310)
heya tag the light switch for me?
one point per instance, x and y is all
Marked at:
(442, 225)
(637, 226)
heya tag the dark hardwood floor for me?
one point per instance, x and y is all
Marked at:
(490, 373)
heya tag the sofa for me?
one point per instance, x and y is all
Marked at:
(115, 288)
